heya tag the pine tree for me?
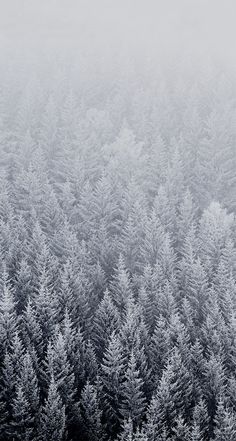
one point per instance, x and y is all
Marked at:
(225, 428)
(197, 291)
(8, 317)
(82, 312)
(106, 321)
(75, 349)
(120, 285)
(215, 230)
(112, 377)
(160, 412)
(46, 310)
(159, 348)
(177, 381)
(168, 259)
(22, 426)
(22, 286)
(16, 353)
(58, 366)
(154, 236)
(186, 218)
(181, 431)
(131, 238)
(103, 205)
(7, 393)
(91, 414)
(197, 367)
(134, 332)
(52, 424)
(215, 382)
(164, 209)
(90, 361)
(133, 398)
(49, 133)
(195, 433)
(31, 331)
(51, 218)
(147, 301)
(127, 431)
(29, 384)
(200, 420)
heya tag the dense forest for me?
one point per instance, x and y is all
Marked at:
(117, 253)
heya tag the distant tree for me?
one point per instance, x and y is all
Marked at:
(215, 230)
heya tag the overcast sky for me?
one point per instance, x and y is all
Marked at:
(145, 26)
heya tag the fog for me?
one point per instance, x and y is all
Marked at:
(196, 29)
(117, 220)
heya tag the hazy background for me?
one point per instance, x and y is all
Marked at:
(192, 29)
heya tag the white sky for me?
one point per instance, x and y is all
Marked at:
(204, 27)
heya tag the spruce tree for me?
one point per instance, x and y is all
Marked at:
(22, 426)
(225, 428)
(52, 421)
(133, 397)
(91, 414)
(8, 317)
(106, 321)
(112, 377)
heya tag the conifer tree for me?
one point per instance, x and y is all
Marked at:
(201, 420)
(106, 321)
(8, 317)
(22, 286)
(22, 423)
(181, 431)
(154, 236)
(121, 284)
(112, 377)
(31, 331)
(29, 384)
(90, 361)
(58, 366)
(159, 348)
(127, 431)
(225, 428)
(91, 414)
(131, 240)
(133, 398)
(186, 218)
(52, 423)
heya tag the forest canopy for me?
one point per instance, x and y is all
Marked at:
(117, 241)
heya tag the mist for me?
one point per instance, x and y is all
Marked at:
(203, 29)
(117, 220)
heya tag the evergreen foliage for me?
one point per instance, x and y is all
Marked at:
(117, 255)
